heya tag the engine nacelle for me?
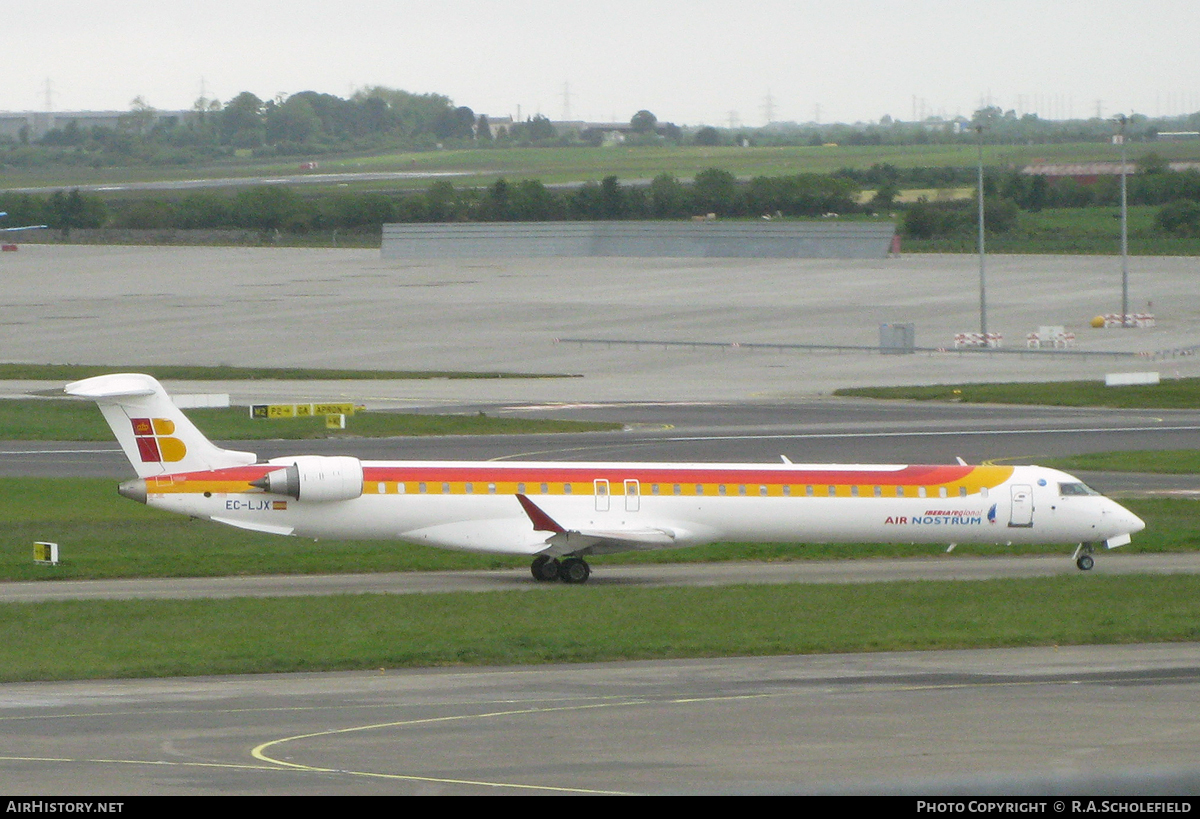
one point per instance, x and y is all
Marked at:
(315, 478)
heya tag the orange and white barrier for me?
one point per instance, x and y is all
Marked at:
(962, 340)
(1131, 319)
(1056, 341)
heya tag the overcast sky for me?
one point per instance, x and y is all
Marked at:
(691, 62)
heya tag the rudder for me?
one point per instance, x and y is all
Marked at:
(155, 435)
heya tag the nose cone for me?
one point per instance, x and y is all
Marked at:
(134, 489)
(1125, 521)
(1137, 523)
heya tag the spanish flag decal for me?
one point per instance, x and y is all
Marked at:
(155, 442)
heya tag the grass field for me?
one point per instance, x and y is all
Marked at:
(1171, 462)
(71, 420)
(1177, 393)
(581, 164)
(107, 639)
(1094, 230)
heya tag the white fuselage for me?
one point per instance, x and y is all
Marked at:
(603, 507)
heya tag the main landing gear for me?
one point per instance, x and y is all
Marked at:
(1083, 557)
(569, 570)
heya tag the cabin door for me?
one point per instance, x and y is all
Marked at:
(633, 496)
(1021, 513)
(600, 486)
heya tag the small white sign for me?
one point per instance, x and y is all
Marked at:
(44, 552)
(1128, 379)
(202, 400)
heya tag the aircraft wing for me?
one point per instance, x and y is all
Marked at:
(563, 540)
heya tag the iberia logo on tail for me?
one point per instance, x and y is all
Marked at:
(154, 440)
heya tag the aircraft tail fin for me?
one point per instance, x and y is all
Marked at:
(155, 435)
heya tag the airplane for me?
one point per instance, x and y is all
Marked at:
(4, 213)
(560, 513)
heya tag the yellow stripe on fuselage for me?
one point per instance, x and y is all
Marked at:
(936, 482)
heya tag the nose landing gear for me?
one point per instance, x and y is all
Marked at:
(1083, 557)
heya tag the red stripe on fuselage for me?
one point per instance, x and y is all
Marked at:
(906, 476)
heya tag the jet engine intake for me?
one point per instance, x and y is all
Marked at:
(315, 478)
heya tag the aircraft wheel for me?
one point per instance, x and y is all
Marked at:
(544, 568)
(574, 570)
(1085, 562)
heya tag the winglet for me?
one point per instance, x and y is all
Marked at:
(541, 521)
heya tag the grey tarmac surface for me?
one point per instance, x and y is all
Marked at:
(813, 431)
(350, 308)
(1096, 719)
(875, 570)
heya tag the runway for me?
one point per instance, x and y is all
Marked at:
(1062, 720)
(875, 570)
(310, 178)
(820, 430)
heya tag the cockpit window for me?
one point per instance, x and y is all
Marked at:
(1076, 489)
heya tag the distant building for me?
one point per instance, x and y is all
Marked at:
(498, 126)
(646, 239)
(36, 124)
(606, 133)
(1088, 172)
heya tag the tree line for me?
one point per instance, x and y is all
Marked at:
(714, 191)
(283, 208)
(314, 123)
(1177, 193)
(991, 125)
(306, 123)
